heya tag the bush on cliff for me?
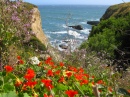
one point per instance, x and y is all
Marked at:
(109, 35)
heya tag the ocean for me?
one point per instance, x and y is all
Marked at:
(57, 18)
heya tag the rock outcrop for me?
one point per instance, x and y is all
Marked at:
(118, 10)
(92, 22)
(78, 27)
(37, 26)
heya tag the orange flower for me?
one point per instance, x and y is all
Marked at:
(8, 68)
(30, 74)
(49, 73)
(71, 93)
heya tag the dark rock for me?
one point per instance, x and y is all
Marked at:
(92, 22)
(63, 46)
(78, 27)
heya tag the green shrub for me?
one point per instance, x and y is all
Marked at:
(109, 35)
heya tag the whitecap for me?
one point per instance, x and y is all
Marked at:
(74, 33)
(60, 32)
(85, 31)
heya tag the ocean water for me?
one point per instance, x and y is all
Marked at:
(57, 18)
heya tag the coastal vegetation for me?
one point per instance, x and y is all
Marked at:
(83, 73)
(111, 35)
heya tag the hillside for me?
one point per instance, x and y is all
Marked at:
(21, 31)
(119, 10)
(111, 35)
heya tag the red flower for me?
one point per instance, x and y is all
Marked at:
(8, 68)
(86, 75)
(61, 64)
(49, 61)
(81, 70)
(71, 93)
(29, 74)
(61, 79)
(128, 91)
(78, 76)
(49, 73)
(71, 68)
(93, 83)
(47, 83)
(93, 76)
(84, 82)
(100, 82)
(18, 57)
(45, 95)
(100, 90)
(21, 61)
(69, 74)
(57, 72)
(31, 84)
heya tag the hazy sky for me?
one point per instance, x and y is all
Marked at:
(83, 2)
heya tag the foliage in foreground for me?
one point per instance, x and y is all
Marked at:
(48, 79)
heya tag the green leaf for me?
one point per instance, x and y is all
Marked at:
(1, 82)
(62, 87)
(3, 73)
(8, 87)
(10, 94)
(26, 95)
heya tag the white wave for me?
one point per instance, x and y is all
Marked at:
(85, 31)
(60, 32)
(74, 33)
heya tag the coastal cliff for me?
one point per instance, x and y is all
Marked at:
(36, 26)
(118, 10)
(111, 35)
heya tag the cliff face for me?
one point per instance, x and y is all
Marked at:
(118, 10)
(37, 26)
